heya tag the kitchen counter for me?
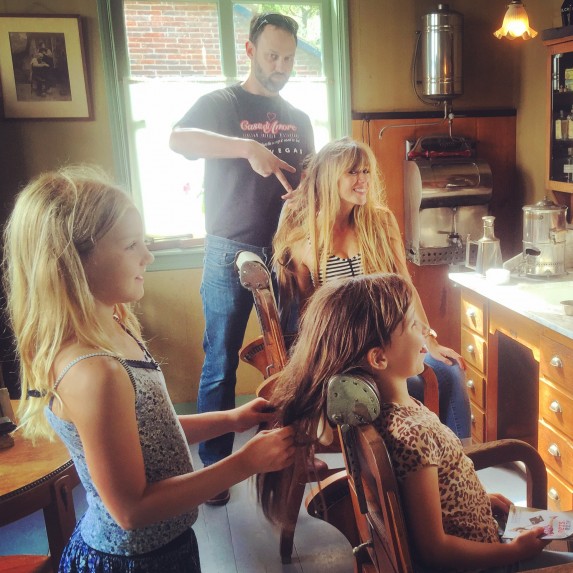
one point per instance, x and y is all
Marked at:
(535, 299)
(517, 343)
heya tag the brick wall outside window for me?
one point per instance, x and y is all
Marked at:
(167, 39)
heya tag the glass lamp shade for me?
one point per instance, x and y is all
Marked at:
(515, 23)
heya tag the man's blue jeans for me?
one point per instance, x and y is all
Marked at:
(226, 307)
(453, 396)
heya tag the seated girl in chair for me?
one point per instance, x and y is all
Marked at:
(370, 322)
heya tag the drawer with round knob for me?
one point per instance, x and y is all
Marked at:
(559, 493)
(556, 450)
(473, 313)
(556, 407)
(556, 362)
(475, 384)
(478, 423)
(473, 349)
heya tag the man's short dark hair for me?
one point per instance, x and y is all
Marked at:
(260, 21)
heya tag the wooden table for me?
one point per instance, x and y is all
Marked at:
(555, 569)
(39, 477)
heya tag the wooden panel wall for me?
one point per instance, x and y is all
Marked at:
(496, 143)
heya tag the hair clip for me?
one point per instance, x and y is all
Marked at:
(36, 394)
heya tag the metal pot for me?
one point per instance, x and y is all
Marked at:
(544, 237)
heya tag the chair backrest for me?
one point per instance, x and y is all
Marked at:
(267, 353)
(353, 403)
(380, 522)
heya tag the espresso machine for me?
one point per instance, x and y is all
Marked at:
(447, 191)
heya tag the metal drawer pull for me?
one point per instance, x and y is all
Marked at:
(470, 384)
(473, 419)
(555, 406)
(552, 494)
(553, 449)
(470, 348)
(556, 362)
(471, 313)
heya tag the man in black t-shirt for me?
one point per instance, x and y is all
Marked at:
(254, 143)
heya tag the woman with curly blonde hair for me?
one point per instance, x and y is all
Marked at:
(338, 225)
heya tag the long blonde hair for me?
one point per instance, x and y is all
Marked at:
(310, 215)
(57, 220)
(344, 319)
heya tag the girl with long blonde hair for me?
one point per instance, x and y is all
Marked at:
(338, 225)
(74, 261)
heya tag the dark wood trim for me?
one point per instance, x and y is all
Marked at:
(556, 33)
(369, 115)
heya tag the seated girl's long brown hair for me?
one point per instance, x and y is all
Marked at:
(343, 320)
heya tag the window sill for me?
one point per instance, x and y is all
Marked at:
(174, 259)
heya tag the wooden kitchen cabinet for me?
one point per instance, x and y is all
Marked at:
(556, 418)
(474, 351)
(559, 86)
(499, 404)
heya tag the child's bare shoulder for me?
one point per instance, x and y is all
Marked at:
(79, 365)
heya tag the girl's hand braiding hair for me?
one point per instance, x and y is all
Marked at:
(269, 450)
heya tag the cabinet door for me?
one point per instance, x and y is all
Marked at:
(560, 117)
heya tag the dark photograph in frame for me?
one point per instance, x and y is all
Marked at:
(42, 67)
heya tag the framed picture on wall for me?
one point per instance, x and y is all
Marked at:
(43, 68)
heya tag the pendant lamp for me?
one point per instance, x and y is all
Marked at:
(515, 23)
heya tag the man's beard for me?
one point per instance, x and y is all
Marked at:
(273, 85)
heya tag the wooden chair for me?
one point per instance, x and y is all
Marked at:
(268, 354)
(364, 501)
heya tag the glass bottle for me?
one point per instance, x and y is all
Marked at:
(559, 126)
(567, 13)
(568, 166)
(489, 249)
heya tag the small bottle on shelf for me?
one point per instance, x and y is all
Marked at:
(570, 123)
(568, 166)
(559, 125)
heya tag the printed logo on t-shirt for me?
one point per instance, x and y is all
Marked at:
(280, 138)
(271, 126)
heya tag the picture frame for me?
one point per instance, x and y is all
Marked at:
(42, 67)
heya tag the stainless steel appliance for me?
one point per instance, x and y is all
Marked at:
(447, 191)
(544, 238)
(441, 40)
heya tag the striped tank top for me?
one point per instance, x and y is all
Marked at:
(337, 267)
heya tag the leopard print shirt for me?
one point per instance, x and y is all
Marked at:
(415, 439)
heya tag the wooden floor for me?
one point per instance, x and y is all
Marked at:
(238, 538)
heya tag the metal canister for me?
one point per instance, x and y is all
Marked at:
(544, 238)
(442, 53)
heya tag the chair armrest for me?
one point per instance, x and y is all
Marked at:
(509, 450)
(330, 501)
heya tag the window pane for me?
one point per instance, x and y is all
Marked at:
(175, 57)
(171, 187)
(172, 38)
